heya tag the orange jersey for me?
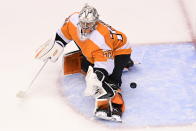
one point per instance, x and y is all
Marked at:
(102, 45)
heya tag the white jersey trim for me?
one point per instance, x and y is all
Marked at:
(74, 19)
(107, 65)
(125, 46)
(99, 40)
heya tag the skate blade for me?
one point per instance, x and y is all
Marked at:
(114, 119)
(117, 118)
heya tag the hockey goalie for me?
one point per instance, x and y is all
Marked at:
(104, 53)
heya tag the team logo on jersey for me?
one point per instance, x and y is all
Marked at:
(108, 54)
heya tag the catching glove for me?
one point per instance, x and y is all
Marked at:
(50, 50)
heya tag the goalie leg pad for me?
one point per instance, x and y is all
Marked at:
(102, 104)
(72, 63)
(117, 99)
(104, 109)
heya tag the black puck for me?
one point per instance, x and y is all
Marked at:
(133, 85)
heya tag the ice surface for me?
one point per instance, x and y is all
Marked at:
(26, 24)
(166, 88)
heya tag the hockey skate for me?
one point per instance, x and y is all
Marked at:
(107, 114)
(116, 112)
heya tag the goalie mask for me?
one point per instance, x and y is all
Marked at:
(88, 18)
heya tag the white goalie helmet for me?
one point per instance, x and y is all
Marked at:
(88, 17)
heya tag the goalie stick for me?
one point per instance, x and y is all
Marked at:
(23, 93)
